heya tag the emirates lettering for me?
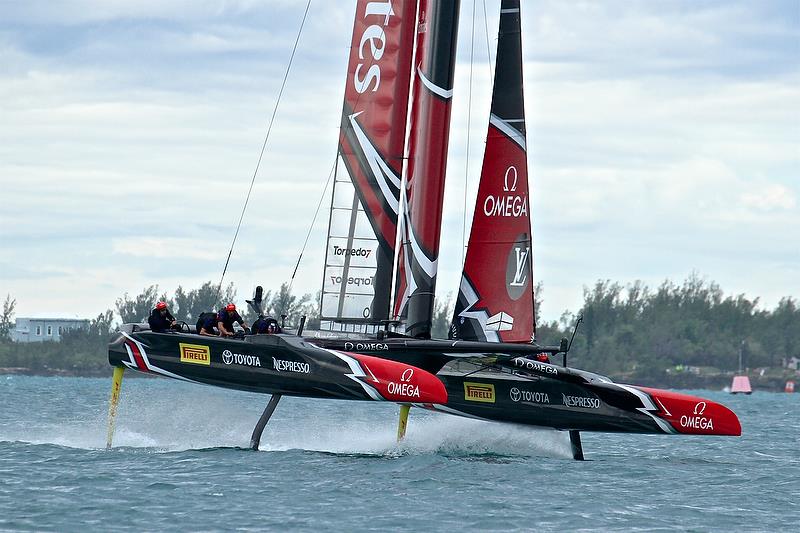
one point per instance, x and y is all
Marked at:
(281, 365)
(371, 47)
(505, 206)
(404, 389)
(355, 252)
(581, 401)
(697, 422)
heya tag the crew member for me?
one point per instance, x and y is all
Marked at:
(207, 324)
(160, 319)
(265, 325)
(225, 319)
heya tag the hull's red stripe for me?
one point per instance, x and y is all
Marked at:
(137, 356)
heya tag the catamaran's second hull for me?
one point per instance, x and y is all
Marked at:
(607, 407)
(510, 388)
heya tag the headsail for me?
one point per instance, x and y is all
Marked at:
(361, 235)
(428, 141)
(495, 297)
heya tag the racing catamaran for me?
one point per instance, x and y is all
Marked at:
(381, 265)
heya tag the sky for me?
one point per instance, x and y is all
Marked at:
(664, 141)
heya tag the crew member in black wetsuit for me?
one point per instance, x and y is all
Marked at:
(225, 319)
(265, 325)
(207, 324)
(160, 319)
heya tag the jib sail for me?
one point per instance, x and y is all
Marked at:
(427, 157)
(359, 259)
(495, 298)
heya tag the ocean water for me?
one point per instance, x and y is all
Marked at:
(179, 463)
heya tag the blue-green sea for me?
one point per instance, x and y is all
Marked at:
(179, 463)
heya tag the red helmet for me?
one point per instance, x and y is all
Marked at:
(542, 357)
(161, 306)
(230, 307)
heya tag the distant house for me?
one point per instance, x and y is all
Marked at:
(792, 362)
(30, 329)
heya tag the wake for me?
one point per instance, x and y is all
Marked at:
(197, 418)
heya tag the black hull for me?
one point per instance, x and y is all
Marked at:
(489, 381)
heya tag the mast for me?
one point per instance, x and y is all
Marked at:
(421, 219)
(360, 253)
(495, 297)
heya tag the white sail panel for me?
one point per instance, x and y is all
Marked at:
(348, 286)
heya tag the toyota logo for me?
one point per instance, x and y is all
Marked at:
(514, 394)
(227, 356)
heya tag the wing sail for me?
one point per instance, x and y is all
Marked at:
(359, 259)
(421, 215)
(495, 298)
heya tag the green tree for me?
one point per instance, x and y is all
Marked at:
(442, 317)
(311, 310)
(283, 302)
(189, 304)
(138, 308)
(7, 319)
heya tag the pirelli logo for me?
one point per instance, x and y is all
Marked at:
(195, 354)
(479, 392)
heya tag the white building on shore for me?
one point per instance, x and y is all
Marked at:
(31, 329)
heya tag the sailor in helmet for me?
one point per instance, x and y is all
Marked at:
(225, 319)
(266, 325)
(160, 318)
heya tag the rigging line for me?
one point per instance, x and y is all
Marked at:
(469, 120)
(331, 175)
(488, 48)
(311, 226)
(263, 147)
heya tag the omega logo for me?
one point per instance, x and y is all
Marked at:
(513, 187)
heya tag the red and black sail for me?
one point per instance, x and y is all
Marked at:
(366, 196)
(495, 297)
(421, 213)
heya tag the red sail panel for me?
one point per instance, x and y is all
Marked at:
(366, 196)
(495, 299)
(421, 218)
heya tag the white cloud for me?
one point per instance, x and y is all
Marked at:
(770, 198)
(164, 247)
